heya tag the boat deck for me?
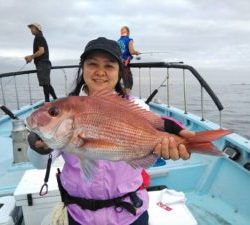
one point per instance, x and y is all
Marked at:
(216, 188)
(209, 210)
(215, 191)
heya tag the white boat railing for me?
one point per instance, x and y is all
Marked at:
(204, 87)
(13, 83)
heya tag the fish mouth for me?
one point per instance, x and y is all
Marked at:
(49, 136)
(29, 123)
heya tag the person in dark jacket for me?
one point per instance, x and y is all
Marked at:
(41, 59)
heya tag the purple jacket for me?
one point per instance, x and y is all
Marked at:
(111, 179)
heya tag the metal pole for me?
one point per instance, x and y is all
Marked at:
(184, 91)
(29, 89)
(202, 105)
(17, 99)
(140, 82)
(2, 92)
(150, 82)
(168, 86)
(65, 83)
(220, 118)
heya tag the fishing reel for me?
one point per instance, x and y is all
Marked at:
(19, 135)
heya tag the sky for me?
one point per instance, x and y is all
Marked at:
(211, 34)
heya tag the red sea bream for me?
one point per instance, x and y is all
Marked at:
(106, 126)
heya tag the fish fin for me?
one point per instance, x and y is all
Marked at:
(144, 162)
(86, 141)
(155, 120)
(97, 143)
(202, 142)
(79, 142)
(88, 166)
(206, 148)
(81, 135)
(208, 136)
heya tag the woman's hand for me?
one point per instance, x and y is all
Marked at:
(41, 144)
(168, 148)
(37, 144)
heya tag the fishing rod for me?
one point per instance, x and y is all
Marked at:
(154, 52)
(19, 133)
(22, 67)
(8, 112)
(150, 53)
(19, 70)
(152, 95)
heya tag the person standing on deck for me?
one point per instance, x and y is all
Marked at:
(41, 60)
(127, 47)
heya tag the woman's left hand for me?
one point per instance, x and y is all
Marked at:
(168, 148)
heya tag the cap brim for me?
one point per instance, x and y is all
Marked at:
(83, 56)
(33, 25)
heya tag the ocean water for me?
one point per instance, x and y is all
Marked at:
(234, 94)
(232, 90)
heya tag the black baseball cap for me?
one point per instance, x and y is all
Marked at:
(103, 44)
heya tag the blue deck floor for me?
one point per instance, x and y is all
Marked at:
(209, 210)
(216, 190)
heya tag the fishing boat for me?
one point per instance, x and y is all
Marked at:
(216, 189)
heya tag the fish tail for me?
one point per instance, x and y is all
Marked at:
(202, 142)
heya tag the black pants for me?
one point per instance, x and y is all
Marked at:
(127, 77)
(142, 220)
(47, 90)
(43, 74)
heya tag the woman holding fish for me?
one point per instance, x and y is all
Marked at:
(99, 191)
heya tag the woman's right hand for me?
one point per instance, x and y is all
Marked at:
(168, 149)
(38, 145)
(41, 144)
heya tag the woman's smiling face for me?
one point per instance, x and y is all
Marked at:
(100, 71)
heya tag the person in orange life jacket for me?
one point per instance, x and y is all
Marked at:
(41, 60)
(100, 68)
(127, 47)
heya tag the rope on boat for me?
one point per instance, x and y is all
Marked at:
(59, 215)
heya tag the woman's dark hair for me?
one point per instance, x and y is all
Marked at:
(79, 82)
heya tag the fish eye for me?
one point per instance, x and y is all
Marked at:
(53, 111)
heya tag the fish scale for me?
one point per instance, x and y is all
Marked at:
(118, 134)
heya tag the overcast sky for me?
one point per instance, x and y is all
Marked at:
(204, 33)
